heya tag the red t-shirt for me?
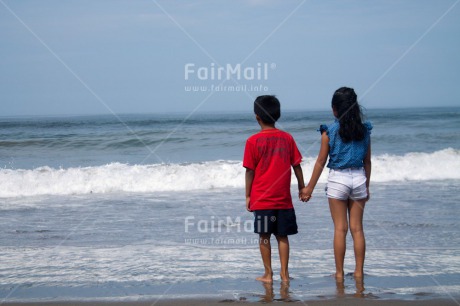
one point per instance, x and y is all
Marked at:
(271, 153)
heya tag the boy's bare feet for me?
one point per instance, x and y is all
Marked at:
(266, 278)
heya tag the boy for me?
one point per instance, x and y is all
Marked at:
(268, 157)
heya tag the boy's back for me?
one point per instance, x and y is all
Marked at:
(271, 153)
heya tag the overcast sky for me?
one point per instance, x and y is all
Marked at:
(96, 57)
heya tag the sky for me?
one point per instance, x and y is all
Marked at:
(81, 57)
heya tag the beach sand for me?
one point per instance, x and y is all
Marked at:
(210, 302)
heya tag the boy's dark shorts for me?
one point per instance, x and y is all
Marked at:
(280, 222)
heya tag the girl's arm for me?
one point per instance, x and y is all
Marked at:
(319, 166)
(368, 168)
(249, 177)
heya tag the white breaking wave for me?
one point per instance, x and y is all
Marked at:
(117, 177)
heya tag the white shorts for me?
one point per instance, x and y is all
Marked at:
(344, 184)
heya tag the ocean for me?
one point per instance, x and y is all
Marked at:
(147, 206)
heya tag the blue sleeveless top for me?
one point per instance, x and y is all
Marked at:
(345, 155)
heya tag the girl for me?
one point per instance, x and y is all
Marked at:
(348, 145)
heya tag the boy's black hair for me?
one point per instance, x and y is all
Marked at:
(267, 108)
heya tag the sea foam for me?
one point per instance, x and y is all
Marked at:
(118, 177)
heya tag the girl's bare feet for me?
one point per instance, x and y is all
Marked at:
(339, 276)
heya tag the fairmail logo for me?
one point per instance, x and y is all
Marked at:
(213, 72)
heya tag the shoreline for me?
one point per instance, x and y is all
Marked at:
(311, 291)
(344, 301)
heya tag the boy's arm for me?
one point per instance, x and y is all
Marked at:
(318, 168)
(299, 175)
(249, 178)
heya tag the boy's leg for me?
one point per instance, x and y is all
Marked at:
(283, 248)
(356, 210)
(266, 253)
(339, 211)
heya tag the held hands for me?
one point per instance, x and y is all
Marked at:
(305, 193)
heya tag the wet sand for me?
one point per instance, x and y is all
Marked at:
(196, 302)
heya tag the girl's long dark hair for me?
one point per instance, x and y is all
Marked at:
(345, 102)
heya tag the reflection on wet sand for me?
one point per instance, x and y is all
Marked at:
(359, 283)
(359, 288)
(340, 284)
(269, 296)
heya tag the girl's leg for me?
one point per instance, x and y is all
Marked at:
(339, 216)
(283, 248)
(266, 253)
(356, 210)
